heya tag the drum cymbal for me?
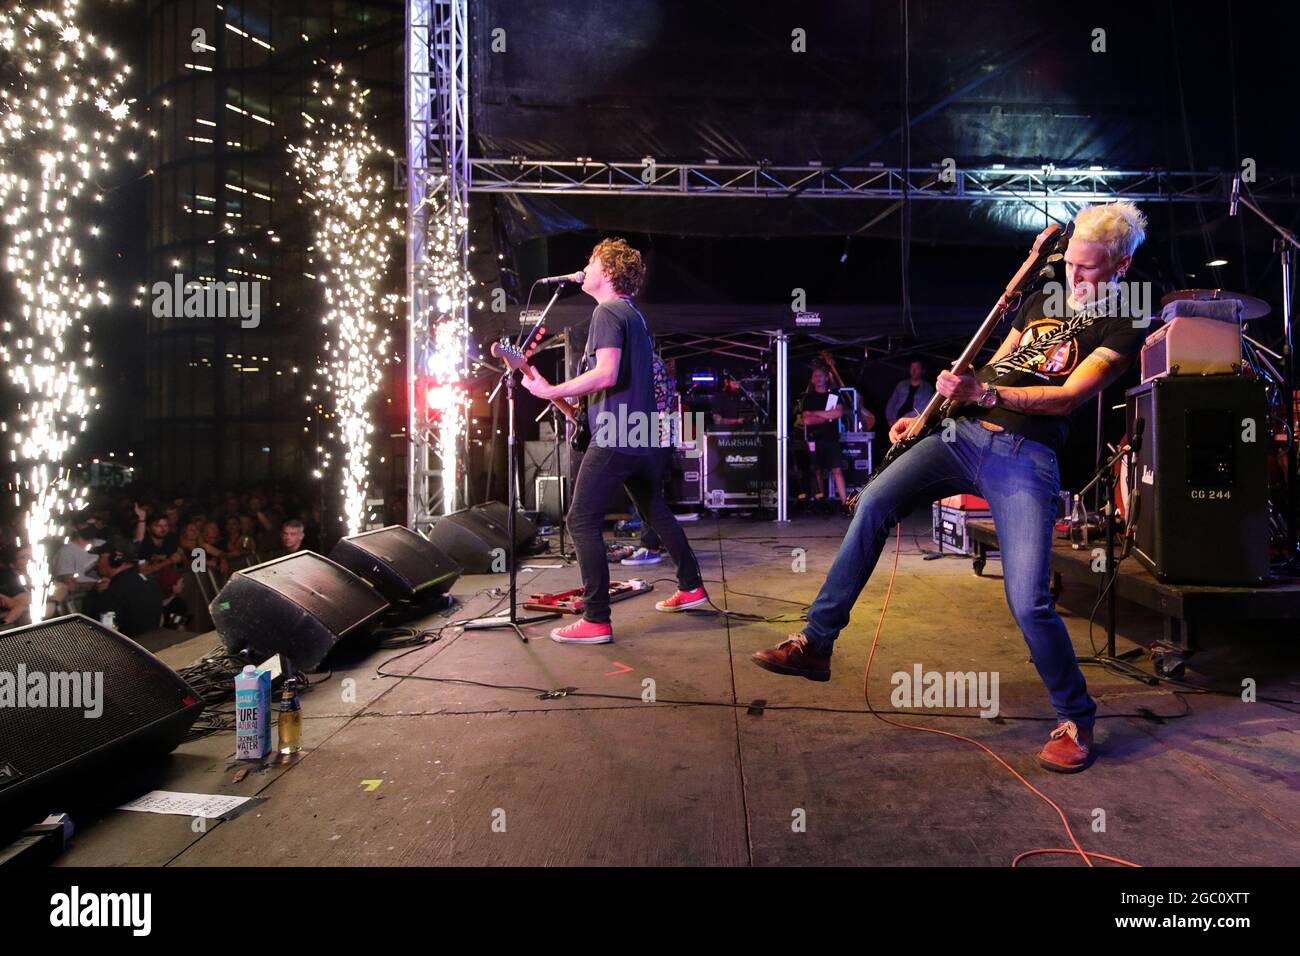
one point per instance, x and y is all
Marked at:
(1251, 307)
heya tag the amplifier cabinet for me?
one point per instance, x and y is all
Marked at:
(1201, 479)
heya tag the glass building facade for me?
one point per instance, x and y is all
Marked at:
(228, 85)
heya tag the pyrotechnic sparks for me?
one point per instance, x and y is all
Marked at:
(442, 325)
(340, 166)
(61, 109)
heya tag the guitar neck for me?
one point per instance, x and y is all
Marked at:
(1024, 279)
(963, 364)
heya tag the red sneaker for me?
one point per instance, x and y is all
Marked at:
(1068, 750)
(583, 632)
(684, 600)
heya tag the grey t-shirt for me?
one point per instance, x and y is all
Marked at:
(622, 416)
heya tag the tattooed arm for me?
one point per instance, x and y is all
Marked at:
(1094, 374)
(1099, 369)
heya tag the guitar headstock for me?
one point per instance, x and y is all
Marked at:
(516, 357)
(1049, 248)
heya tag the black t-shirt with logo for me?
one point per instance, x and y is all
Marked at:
(623, 416)
(1116, 333)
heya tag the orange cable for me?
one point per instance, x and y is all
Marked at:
(866, 693)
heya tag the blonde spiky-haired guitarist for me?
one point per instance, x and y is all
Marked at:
(1010, 425)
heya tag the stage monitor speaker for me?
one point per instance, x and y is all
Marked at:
(299, 605)
(471, 541)
(1202, 482)
(403, 566)
(496, 513)
(106, 704)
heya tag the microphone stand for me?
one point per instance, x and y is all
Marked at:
(512, 620)
(1284, 247)
(1108, 511)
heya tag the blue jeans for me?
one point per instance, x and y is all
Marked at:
(1020, 480)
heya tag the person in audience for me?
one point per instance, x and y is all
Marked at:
(15, 598)
(191, 536)
(159, 548)
(211, 544)
(134, 600)
(291, 534)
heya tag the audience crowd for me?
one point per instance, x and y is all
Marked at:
(140, 562)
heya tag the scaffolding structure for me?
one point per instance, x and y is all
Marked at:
(437, 179)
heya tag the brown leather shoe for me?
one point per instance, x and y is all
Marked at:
(793, 656)
(1069, 749)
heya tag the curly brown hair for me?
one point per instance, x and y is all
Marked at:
(622, 264)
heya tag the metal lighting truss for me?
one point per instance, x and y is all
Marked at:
(437, 170)
(1036, 184)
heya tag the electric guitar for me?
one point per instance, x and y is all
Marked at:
(516, 358)
(1037, 269)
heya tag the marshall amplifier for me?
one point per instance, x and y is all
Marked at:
(1202, 482)
(739, 470)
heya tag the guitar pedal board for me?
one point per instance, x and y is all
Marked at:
(570, 602)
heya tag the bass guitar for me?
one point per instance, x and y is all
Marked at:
(1038, 268)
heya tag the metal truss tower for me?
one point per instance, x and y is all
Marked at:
(437, 179)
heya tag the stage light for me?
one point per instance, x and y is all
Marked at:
(1215, 263)
(61, 109)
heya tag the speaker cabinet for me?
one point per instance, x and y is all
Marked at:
(473, 537)
(495, 513)
(1202, 481)
(299, 605)
(403, 566)
(106, 703)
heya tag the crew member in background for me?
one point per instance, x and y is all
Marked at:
(617, 372)
(730, 407)
(819, 414)
(911, 395)
(15, 597)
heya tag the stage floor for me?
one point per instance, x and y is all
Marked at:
(474, 775)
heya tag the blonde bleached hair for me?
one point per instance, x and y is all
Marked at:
(1119, 227)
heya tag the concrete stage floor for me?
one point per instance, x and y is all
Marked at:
(482, 776)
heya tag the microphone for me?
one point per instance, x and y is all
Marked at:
(571, 277)
(1236, 195)
(1139, 427)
